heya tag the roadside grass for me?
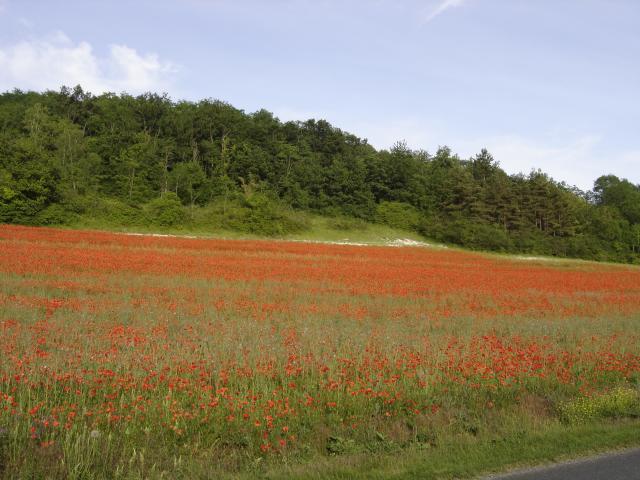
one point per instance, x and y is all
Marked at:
(472, 457)
(128, 456)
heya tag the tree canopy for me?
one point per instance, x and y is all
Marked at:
(68, 153)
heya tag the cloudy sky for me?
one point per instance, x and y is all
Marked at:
(553, 84)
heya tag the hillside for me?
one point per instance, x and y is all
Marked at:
(119, 161)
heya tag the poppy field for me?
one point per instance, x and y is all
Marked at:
(126, 356)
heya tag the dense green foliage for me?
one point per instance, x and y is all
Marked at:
(149, 160)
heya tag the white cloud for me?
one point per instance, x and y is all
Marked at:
(56, 60)
(135, 72)
(442, 7)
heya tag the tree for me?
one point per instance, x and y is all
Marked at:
(63, 153)
(188, 180)
(611, 191)
(27, 180)
(75, 163)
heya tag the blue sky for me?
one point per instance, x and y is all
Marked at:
(553, 84)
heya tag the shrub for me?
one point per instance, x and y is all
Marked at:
(54, 214)
(622, 401)
(166, 211)
(397, 215)
(266, 217)
(484, 236)
(479, 236)
(260, 215)
(116, 212)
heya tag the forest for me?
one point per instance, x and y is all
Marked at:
(128, 160)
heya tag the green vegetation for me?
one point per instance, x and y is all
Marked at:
(618, 403)
(471, 457)
(69, 156)
(128, 357)
(513, 441)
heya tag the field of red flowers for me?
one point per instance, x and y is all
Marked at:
(237, 350)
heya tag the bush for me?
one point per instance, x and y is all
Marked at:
(166, 211)
(115, 212)
(483, 236)
(258, 214)
(477, 236)
(398, 215)
(69, 210)
(621, 402)
(54, 214)
(266, 217)
(431, 227)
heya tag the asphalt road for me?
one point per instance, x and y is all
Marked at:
(624, 465)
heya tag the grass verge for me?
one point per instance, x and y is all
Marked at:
(474, 458)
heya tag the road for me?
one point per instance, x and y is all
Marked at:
(624, 465)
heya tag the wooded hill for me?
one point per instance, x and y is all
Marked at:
(148, 160)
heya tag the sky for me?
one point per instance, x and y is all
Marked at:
(549, 84)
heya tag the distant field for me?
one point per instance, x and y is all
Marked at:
(138, 356)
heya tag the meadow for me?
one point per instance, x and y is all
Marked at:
(163, 357)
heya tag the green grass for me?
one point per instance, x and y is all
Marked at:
(473, 458)
(320, 228)
(449, 456)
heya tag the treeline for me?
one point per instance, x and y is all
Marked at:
(148, 159)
